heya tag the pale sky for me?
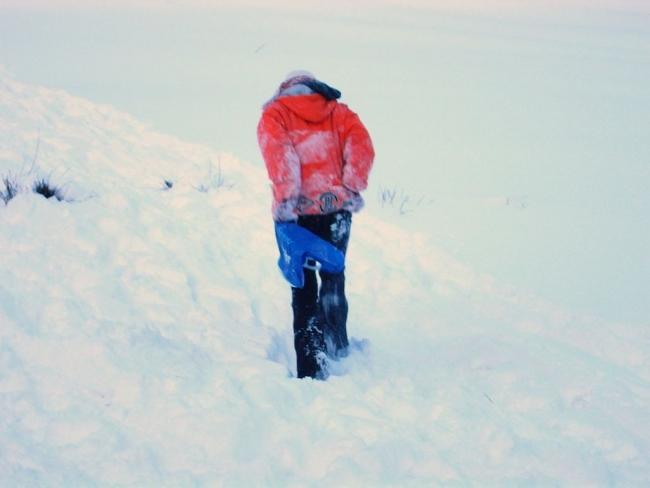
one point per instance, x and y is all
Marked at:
(474, 5)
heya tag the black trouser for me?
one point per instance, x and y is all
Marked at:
(320, 315)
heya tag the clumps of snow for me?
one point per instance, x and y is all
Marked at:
(316, 146)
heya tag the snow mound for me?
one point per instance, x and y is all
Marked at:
(145, 337)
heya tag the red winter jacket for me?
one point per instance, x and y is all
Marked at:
(317, 152)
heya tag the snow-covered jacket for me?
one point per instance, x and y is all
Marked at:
(317, 152)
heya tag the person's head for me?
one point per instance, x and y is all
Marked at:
(294, 78)
(301, 82)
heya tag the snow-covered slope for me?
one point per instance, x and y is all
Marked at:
(145, 337)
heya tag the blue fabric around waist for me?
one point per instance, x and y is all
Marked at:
(296, 245)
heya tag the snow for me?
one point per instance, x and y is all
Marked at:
(145, 337)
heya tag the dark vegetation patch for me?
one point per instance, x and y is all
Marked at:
(44, 187)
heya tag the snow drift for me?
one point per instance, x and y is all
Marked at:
(145, 336)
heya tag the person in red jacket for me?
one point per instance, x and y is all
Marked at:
(318, 156)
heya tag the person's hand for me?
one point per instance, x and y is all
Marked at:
(354, 203)
(285, 211)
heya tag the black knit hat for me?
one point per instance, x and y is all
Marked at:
(323, 89)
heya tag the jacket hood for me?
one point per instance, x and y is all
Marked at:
(312, 108)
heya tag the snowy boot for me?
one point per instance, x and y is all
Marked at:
(311, 360)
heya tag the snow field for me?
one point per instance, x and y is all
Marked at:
(145, 338)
